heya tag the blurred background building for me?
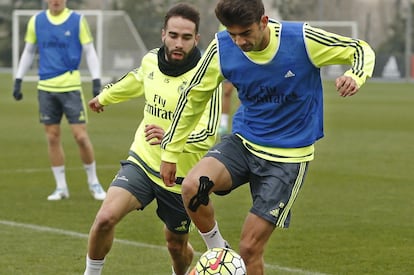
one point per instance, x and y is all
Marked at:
(385, 24)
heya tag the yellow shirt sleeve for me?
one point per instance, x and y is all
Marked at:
(325, 48)
(206, 79)
(85, 35)
(30, 31)
(130, 86)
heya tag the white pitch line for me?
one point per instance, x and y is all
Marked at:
(133, 243)
(43, 170)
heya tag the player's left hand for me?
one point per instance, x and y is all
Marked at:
(167, 173)
(153, 134)
(346, 86)
(96, 87)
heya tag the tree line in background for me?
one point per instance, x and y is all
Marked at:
(148, 17)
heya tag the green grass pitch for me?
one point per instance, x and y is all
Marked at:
(354, 214)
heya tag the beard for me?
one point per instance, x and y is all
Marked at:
(176, 57)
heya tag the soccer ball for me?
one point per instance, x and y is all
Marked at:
(220, 261)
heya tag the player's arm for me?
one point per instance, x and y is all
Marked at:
(91, 56)
(29, 50)
(205, 134)
(191, 104)
(327, 48)
(129, 86)
(92, 60)
(189, 110)
(26, 58)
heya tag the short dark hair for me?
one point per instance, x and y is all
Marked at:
(183, 10)
(239, 12)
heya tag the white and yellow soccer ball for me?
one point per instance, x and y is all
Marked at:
(220, 261)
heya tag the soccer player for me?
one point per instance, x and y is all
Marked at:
(276, 69)
(226, 107)
(60, 35)
(161, 78)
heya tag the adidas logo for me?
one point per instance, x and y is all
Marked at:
(67, 33)
(183, 227)
(122, 178)
(289, 74)
(275, 212)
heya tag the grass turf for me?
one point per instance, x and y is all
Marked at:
(353, 215)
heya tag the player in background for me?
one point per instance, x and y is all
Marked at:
(276, 69)
(60, 35)
(161, 78)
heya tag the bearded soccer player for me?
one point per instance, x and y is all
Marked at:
(161, 78)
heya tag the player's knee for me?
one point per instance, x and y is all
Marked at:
(105, 221)
(250, 251)
(201, 195)
(82, 139)
(176, 246)
(189, 187)
(53, 139)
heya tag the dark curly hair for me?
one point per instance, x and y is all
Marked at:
(186, 11)
(239, 12)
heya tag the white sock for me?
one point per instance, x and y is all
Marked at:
(224, 122)
(90, 170)
(213, 238)
(93, 267)
(188, 271)
(60, 178)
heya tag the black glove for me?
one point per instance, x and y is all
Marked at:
(96, 87)
(17, 94)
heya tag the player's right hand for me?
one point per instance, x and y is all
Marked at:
(17, 93)
(167, 173)
(95, 106)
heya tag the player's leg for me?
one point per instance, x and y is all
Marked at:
(74, 109)
(54, 145)
(121, 199)
(116, 205)
(84, 143)
(254, 236)
(177, 225)
(222, 169)
(57, 161)
(86, 152)
(208, 175)
(50, 116)
(180, 250)
(274, 187)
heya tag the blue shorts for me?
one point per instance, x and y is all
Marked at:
(53, 105)
(170, 205)
(274, 186)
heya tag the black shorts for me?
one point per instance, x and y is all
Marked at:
(274, 186)
(170, 205)
(53, 105)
